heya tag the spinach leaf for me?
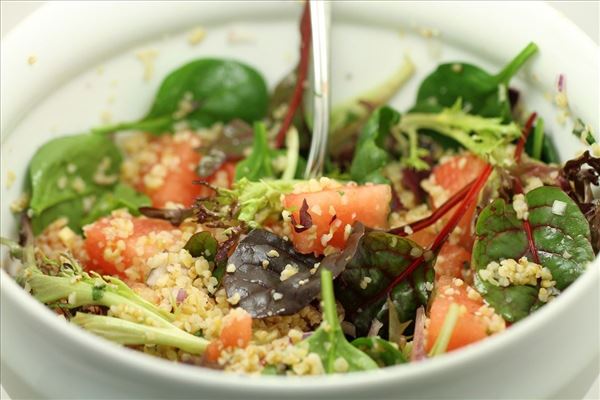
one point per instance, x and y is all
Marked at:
(379, 258)
(329, 342)
(203, 92)
(72, 209)
(202, 244)
(70, 167)
(562, 241)
(259, 260)
(384, 353)
(122, 196)
(370, 155)
(481, 93)
(258, 164)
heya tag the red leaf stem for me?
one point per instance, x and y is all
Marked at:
(436, 215)
(444, 234)
(518, 188)
(305, 38)
(524, 136)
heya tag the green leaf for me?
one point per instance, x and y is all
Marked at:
(329, 341)
(72, 209)
(256, 200)
(214, 90)
(481, 92)
(383, 352)
(348, 118)
(202, 244)
(486, 137)
(562, 241)
(541, 146)
(65, 169)
(122, 196)
(380, 258)
(370, 156)
(258, 164)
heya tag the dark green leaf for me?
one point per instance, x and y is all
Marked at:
(122, 196)
(329, 341)
(202, 244)
(383, 352)
(481, 93)
(215, 90)
(65, 169)
(72, 209)
(379, 259)
(370, 155)
(258, 164)
(562, 241)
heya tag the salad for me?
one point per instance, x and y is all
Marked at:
(190, 234)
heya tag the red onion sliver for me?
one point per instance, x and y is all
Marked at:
(418, 344)
(561, 82)
(181, 296)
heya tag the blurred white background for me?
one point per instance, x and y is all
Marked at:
(585, 14)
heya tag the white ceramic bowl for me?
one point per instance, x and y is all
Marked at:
(553, 353)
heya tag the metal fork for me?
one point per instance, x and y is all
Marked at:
(320, 21)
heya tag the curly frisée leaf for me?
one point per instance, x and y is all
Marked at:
(269, 276)
(562, 240)
(329, 342)
(486, 137)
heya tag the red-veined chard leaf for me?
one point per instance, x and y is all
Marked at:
(378, 259)
(562, 242)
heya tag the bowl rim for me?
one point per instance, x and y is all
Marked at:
(111, 353)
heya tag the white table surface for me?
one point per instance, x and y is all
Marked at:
(586, 14)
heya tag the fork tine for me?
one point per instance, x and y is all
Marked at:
(320, 13)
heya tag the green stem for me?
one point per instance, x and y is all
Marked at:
(51, 289)
(328, 298)
(511, 69)
(538, 139)
(143, 125)
(441, 344)
(131, 333)
(292, 143)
